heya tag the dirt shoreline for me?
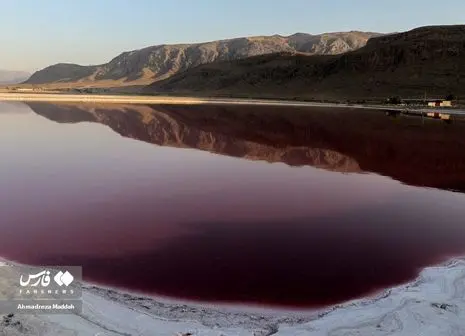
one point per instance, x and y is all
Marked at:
(134, 99)
(178, 100)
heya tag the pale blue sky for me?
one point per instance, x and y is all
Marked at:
(37, 33)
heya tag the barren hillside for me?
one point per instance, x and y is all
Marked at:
(425, 59)
(161, 61)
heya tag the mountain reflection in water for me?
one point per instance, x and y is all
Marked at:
(188, 224)
(428, 153)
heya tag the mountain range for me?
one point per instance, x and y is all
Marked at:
(424, 60)
(13, 77)
(159, 62)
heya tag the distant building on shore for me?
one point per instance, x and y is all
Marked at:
(440, 103)
(428, 102)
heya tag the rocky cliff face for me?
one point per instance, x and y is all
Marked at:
(424, 59)
(439, 46)
(161, 61)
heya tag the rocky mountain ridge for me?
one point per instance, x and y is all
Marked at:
(410, 63)
(158, 62)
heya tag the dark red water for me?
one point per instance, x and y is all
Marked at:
(194, 225)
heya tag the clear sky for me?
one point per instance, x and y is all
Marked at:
(37, 33)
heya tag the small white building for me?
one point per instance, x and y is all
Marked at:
(440, 103)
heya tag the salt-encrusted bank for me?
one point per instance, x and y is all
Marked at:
(434, 304)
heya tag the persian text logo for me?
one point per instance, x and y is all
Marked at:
(43, 278)
(52, 282)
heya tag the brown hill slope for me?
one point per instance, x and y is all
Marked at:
(62, 72)
(424, 59)
(161, 61)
